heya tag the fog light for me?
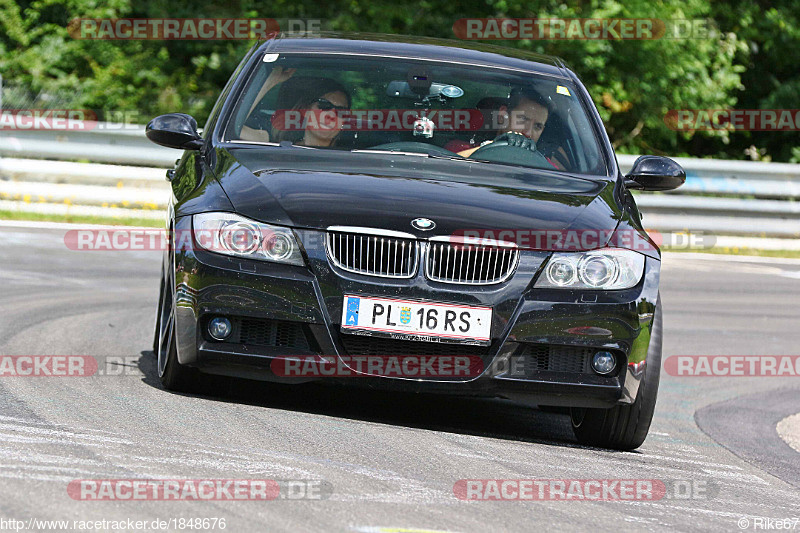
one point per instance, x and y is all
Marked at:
(219, 328)
(604, 362)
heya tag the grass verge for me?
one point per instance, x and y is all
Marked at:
(728, 250)
(82, 219)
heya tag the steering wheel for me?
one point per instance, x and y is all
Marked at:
(502, 151)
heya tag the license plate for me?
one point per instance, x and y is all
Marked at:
(417, 320)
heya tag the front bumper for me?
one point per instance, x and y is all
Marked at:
(310, 300)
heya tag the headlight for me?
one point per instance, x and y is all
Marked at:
(605, 269)
(230, 234)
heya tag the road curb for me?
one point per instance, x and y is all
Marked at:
(789, 430)
(746, 426)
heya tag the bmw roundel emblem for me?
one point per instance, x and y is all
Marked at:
(423, 224)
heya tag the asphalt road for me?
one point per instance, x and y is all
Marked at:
(391, 460)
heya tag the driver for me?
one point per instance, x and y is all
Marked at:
(523, 119)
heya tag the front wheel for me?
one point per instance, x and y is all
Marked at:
(173, 375)
(624, 427)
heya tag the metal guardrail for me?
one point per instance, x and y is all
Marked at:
(105, 143)
(742, 178)
(726, 197)
(37, 170)
(733, 197)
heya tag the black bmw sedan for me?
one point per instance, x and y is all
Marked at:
(416, 215)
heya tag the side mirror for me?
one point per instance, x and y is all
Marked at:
(655, 173)
(174, 130)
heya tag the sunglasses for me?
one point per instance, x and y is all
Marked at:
(326, 105)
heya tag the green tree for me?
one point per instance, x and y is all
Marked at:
(750, 62)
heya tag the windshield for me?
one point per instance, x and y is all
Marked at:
(416, 107)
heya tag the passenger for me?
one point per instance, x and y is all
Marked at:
(323, 97)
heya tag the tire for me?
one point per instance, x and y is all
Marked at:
(157, 332)
(173, 375)
(625, 427)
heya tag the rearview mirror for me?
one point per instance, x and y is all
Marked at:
(402, 89)
(655, 173)
(174, 130)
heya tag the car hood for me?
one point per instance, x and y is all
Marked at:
(321, 188)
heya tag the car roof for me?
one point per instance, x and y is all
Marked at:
(419, 48)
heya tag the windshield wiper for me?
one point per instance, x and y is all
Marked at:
(273, 144)
(397, 152)
(454, 157)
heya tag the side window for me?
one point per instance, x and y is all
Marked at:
(249, 94)
(212, 118)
